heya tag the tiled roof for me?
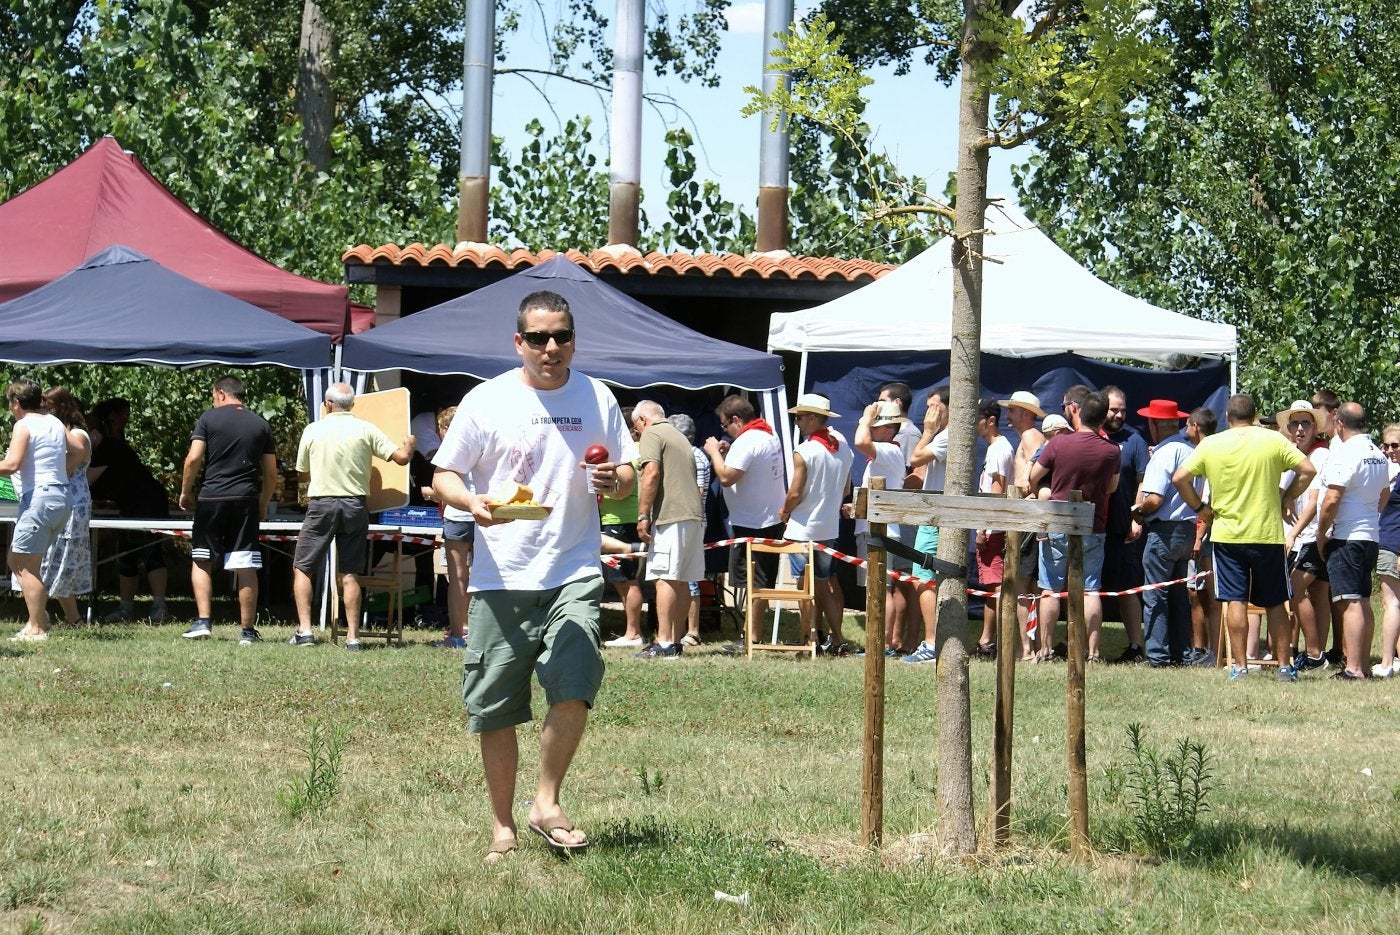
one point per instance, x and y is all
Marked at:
(776, 265)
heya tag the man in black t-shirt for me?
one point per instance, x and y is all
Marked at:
(116, 473)
(235, 448)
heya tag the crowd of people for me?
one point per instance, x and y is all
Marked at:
(1291, 520)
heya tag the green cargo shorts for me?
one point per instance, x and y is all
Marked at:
(509, 633)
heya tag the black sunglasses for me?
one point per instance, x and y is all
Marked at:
(541, 338)
(1299, 424)
(1389, 446)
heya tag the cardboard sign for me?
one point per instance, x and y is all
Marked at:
(388, 482)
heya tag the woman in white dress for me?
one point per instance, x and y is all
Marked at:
(67, 566)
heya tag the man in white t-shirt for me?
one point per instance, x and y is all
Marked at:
(821, 469)
(750, 469)
(994, 478)
(535, 583)
(1348, 532)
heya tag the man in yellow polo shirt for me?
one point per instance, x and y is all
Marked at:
(336, 453)
(1244, 466)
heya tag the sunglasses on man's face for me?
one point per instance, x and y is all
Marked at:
(1297, 424)
(1389, 446)
(541, 338)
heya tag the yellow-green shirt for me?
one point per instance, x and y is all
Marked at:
(1244, 466)
(336, 452)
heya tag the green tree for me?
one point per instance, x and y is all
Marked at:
(1071, 64)
(1255, 185)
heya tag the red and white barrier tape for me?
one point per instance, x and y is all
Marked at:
(615, 559)
(286, 537)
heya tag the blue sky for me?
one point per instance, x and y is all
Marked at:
(914, 117)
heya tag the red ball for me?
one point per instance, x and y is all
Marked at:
(596, 455)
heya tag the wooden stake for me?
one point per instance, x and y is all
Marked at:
(1008, 649)
(872, 774)
(1074, 728)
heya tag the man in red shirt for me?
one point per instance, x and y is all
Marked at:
(1086, 461)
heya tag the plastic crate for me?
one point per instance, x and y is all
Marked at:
(411, 516)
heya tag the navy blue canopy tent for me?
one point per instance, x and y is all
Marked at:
(620, 340)
(121, 307)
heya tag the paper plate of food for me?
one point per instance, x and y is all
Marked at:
(515, 501)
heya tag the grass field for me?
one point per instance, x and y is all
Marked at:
(143, 779)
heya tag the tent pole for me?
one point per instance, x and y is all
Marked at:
(335, 366)
(1234, 375)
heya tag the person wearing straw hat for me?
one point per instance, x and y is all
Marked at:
(1022, 409)
(1311, 595)
(1169, 528)
(821, 469)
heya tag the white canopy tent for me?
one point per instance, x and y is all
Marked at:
(1036, 301)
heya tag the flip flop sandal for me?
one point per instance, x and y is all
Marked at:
(499, 851)
(546, 829)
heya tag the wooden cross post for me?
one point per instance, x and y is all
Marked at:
(1074, 719)
(1008, 648)
(872, 772)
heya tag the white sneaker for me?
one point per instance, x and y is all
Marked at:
(1379, 671)
(24, 636)
(623, 642)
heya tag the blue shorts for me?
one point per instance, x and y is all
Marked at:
(1054, 561)
(1349, 567)
(43, 513)
(1251, 572)
(821, 561)
(458, 530)
(926, 541)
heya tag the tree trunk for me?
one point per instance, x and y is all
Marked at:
(315, 99)
(957, 824)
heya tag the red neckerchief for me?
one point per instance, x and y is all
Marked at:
(823, 437)
(757, 424)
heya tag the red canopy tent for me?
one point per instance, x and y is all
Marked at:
(105, 197)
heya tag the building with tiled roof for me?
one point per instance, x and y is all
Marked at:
(724, 295)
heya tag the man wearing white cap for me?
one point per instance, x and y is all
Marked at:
(875, 438)
(821, 469)
(1022, 409)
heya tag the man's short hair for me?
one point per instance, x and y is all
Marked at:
(941, 392)
(1077, 393)
(1240, 409)
(1111, 390)
(1326, 398)
(26, 393)
(1352, 417)
(988, 409)
(231, 386)
(543, 301)
(340, 396)
(901, 392)
(648, 409)
(1204, 418)
(1093, 410)
(732, 407)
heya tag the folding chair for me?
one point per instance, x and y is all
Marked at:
(802, 593)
